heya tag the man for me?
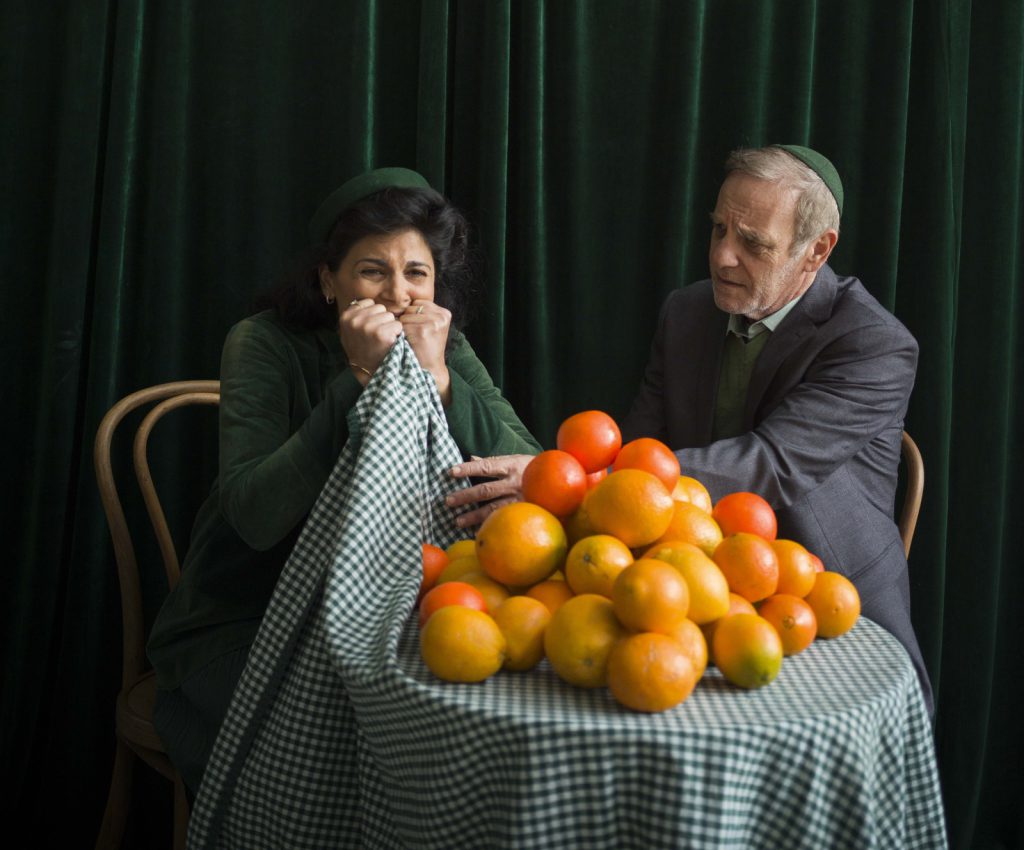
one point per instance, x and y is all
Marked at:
(778, 377)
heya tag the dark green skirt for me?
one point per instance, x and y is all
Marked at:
(188, 718)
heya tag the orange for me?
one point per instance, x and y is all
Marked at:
(579, 639)
(592, 437)
(450, 593)
(749, 564)
(630, 504)
(553, 593)
(745, 512)
(520, 544)
(819, 567)
(455, 569)
(737, 605)
(650, 596)
(492, 592)
(434, 560)
(595, 478)
(461, 548)
(595, 562)
(578, 525)
(835, 602)
(651, 672)
(690, 490)
(793, 619)
(796, 568)
(694, 644)
(522, 621)
(692, 524)
(460, 644)
(709, 591)
(555, 481)
(747, 650)
(651, 455)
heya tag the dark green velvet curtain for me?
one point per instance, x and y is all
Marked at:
(159, 161)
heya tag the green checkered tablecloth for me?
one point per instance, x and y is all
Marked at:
(338, 736)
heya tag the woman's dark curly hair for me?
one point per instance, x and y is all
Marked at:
(299, 299)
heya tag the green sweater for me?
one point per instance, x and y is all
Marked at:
(285, 395)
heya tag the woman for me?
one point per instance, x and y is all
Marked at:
(392, 258)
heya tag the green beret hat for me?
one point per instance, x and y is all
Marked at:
(820, 166)
(324, 219)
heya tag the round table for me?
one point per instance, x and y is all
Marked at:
(836, 752)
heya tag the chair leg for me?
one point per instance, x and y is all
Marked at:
(115, 816)
(180, 814)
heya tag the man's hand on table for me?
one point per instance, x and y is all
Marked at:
(506, 486)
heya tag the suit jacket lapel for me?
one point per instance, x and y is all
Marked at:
(813, 308)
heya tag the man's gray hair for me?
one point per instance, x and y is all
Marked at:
(816, 208)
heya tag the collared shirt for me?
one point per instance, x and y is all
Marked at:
(743, 344)
(747, 331)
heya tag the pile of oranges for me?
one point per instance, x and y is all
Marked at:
(622, 573)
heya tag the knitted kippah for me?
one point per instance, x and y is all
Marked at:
(821, 166)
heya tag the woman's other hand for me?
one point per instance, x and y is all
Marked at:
(505, 488)
(426, 327)
(367, 331)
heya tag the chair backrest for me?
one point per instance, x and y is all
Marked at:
(164, 398)
(915, 490)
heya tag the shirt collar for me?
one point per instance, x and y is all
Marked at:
(738, 325)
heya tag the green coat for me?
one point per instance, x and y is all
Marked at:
(285, 396)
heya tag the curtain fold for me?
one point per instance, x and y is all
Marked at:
(479, 155)
(160, 162)
(433, 117)
(54, 84)
(979, 735)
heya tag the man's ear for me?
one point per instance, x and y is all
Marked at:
(819, 250)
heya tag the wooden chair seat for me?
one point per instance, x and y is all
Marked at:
(134, 714)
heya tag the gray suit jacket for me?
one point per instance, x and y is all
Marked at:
(823, 422)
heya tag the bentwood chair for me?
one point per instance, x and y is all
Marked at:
(915, 489)
(133, 715)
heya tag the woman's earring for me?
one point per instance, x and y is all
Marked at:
(328, 298)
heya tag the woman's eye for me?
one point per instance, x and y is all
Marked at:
(372, 272)
(416, 273)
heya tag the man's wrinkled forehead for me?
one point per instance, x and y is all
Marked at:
(756, 206)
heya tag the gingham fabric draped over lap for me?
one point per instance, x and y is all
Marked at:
(338, 735)
(292, 767)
